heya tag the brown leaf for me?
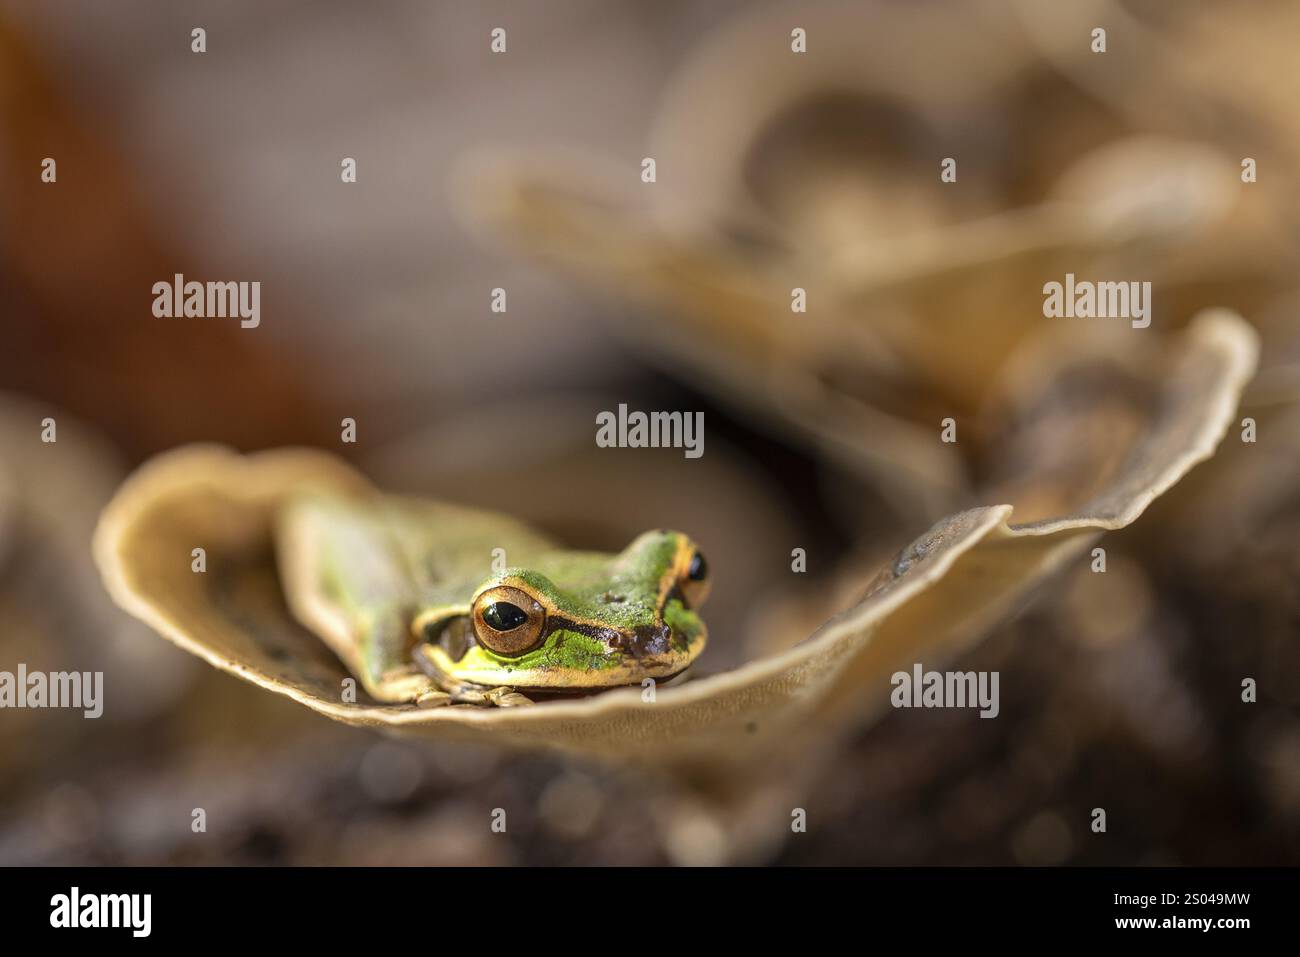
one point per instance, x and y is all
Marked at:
(940, 594)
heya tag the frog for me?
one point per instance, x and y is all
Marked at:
(429, 603)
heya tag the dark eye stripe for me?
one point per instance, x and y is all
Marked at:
(599, 632)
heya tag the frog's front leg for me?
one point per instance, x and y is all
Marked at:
(386, 669)
(408, 685)
(464, 692)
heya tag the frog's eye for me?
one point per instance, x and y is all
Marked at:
(507, 620)
(695, 583)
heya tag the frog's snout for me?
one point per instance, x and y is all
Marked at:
(645, 641)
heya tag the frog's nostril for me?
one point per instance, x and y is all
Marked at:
(650, 640)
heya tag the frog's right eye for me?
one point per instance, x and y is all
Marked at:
(695, 583)
(508, 621)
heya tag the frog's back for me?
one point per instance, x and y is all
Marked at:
(358, 565)
(443, 543)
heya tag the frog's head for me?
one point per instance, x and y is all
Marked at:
(576, 621)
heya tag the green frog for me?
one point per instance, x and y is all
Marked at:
(434, 604)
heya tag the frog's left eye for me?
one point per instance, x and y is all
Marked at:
(507, 620)
(695, 583)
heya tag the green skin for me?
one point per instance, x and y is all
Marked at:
(386, 583)
(611, 620)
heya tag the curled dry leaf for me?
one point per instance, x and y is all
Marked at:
(1250, 493)
(939, 594)
(1075, 413)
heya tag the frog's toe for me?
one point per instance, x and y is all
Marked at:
(503, 697)
(506, 698)
(500, 697)
(432, 699)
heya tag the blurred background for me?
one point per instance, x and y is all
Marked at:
(1120, 690)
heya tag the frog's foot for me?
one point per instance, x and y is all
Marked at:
(500, 697)
(507, 698)
(433, 699)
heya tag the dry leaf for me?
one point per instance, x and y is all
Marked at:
(938, 596)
